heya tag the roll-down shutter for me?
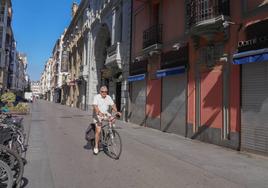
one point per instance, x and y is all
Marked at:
(173, 104)
(138, 102)
(254, 124)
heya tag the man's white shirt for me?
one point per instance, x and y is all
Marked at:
(103, 103)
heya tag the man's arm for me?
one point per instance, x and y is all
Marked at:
(97, 110)
(114, 109)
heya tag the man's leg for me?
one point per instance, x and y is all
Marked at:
(97, 137)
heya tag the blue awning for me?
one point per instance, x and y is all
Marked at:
(251, 56)
(137, 77)
(171, 71)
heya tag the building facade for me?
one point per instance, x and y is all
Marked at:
(96, 51)
(158, 76)
(5, 41)
(13, 67)
(23, 79)
(184, 74)
(56, 79)
(36, 88)
(74, 58)
(109, 36)
(47, 80)
(250, 46)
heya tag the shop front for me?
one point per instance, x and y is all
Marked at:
(137, 90)
(174, 88)
(252, 56)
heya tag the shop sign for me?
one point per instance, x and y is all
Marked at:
(253, 44)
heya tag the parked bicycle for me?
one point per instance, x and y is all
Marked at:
(6, 179)
(15, 162)
(110, 139)
(11, 148)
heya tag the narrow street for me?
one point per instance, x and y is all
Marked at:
(58, 156)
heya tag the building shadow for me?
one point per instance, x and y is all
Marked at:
(204, 127)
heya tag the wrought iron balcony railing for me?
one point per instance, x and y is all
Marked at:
(202, 10)
(114, 56)
(152, 36)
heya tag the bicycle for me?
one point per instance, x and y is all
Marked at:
(110, 139)
(6, 178)
(14, 161)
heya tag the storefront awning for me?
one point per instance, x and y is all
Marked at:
(251, 23)
(137, 77)
(251, 56)
(171, 71)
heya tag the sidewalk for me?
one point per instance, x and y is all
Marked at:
(240, 168)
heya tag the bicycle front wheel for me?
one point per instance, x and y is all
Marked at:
(113, 145)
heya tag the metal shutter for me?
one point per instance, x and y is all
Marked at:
(173, 114)
(254, 122)
(138, 102)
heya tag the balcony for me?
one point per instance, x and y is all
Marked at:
(83, 72)
(176, 58)
(152, 38)
(138, 67)
(206, 17)
(113, 59)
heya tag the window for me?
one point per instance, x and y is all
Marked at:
(118, 25)
(2, 10)
(156, 13)
(1, 36)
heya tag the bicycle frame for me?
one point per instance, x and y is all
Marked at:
(105, 130)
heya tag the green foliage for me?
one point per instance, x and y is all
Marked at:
(8, 98)
(20, 108)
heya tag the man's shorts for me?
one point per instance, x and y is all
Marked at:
(98, 119)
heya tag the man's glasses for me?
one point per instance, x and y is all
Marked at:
(103, 91)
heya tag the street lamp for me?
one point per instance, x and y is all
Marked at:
(226, 24)
(176, 46)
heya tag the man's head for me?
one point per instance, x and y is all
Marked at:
(103, 91)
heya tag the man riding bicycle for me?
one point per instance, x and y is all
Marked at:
(101, 104)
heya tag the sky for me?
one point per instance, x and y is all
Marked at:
(37, 24)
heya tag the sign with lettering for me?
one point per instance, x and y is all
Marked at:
(253, 44)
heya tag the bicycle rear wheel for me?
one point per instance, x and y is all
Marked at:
(6, 178)
(113, 145)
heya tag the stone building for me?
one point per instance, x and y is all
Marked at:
(74, 90)
(96, 51)
(5, 40)
(109, 35)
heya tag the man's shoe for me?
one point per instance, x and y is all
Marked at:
(95, 151)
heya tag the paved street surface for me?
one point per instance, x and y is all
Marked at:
(59, 157)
